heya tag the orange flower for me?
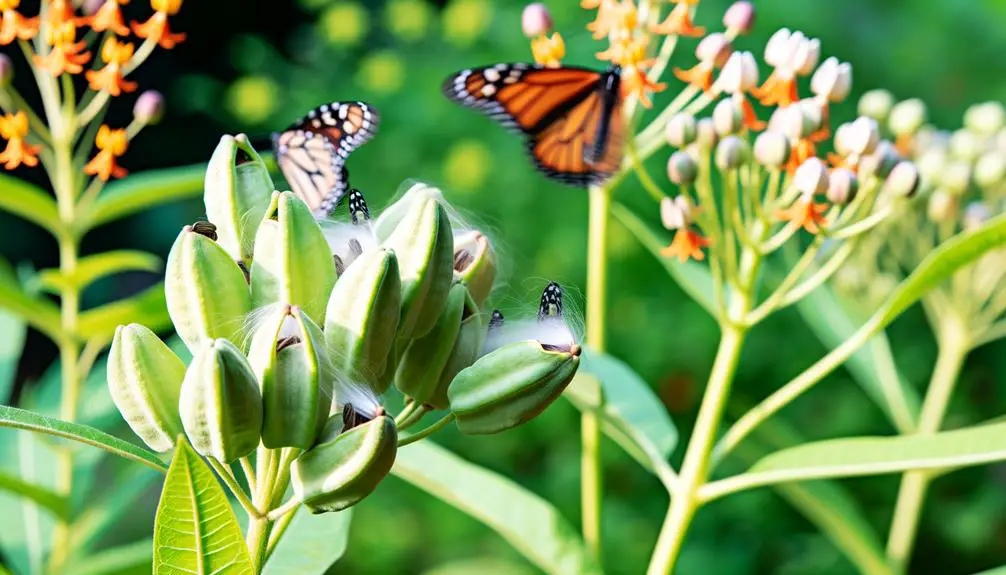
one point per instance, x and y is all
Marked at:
(590, 4)
(636, 81)
(65, 55)
(14, 128)
(156, 28)
(777, 89)
(613, 16)
(700, 75)
(548, 51)
(679, 22)
(109, 17)
(686, 244)
(750, 117)
(61, 12)
(806, 212)
(13, 25)
(112, 144)
(800, 152)
(116, 55)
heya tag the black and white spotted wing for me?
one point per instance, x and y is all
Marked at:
(551, 303)
(496, 320)
(358, 209)
(312, 152)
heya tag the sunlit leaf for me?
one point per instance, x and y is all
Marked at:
(30, 421)
(147, 307)
(29, 202)
(128, 557)
(143, 191)
(92, 268)
(196, 530)
(858, 456)
(311, 544)
(693, 277)
(42, 496)
(632, 415)
(528, 522)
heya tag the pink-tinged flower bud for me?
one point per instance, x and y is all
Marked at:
(89, 7)
(832, 80)
(681, 169)
(680, 130)
(876, 104)
(739, 75)
(675, 213)
(942, 206)
(715, 48)
(536, 20)
(990, 169)
(771, 149)
(776, 47)
(149, 107)
(975, 214)
(705, 133)
(731, 153)
(728, 118)
(907, 117)
(986, 118)
(739, 18)
(862, 136)
(811, 178)
(842, 186)
(955, 177)
(806, 56)
(6, 70)
(903, 181)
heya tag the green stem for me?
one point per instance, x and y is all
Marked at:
(695, 468)
(267, 464)
(278, 530)
(953, 349)
(440, 423)
(590, 426)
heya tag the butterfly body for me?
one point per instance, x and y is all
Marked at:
(570, 116)
(312, 152)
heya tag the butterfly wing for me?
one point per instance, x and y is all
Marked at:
(312, 152)
(570, 116)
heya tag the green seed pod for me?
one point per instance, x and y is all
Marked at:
(287, 355)
(424, 360)
(293, 263)
(475, 264)
(206, 291)
(220, 404)
(340, 472)
(511, 385)
(389, 219)
(362, 318)
(237, 190)
(424, 245)
(466, 349)
(145, 379)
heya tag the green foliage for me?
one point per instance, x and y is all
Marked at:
(311, 544)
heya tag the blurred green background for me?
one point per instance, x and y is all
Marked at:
(268, 62)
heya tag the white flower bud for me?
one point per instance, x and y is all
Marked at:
(965, 146)
(986, 118)
(731, 153)
(903, 181)
(705, 133)
(876, 104)
(832, 80)
(680, 130)
(862, 136)
(776, 47)
(812, 113)
(955, 177)
(907, 117)
(990, 169)
(714, 48)
(739, 17)
(942, 206)
(842, 186)
(681, 169)
(675, 213)
(806, 56)
(728, 118)
(794, 122)
(536, 20)
(771, 149)
(841, 139)
(931, 163)
(880, 162)
(811, 178)
(740, 74)
(149, 107)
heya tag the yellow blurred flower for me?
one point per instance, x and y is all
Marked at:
(252, 99)
(468, 165)
(382, 72)
(466, 20)
(407, 19)
(345, 23)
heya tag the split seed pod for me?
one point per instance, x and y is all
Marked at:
(237, 190)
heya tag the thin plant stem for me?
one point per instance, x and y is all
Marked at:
(437, 426)
(249, 471)
(415, 416)
(406, 412)
(258, 526)
(282, 511)
(228, 478)
(278, 530)
(953, 349)
(591, 476)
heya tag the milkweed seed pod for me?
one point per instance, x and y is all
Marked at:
(236, 194)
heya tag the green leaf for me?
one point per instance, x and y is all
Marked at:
(29, 202)
(873, 366)
(311, 544)
(92, 268)
(535, 528)
(128, 557)
(14, 331)
(39, 313)
(693, 277)
(30, 421)
(143, 191)
(858, 456)
(196, 530)
(40, 495)
(147, 307)
(994, 571)
(480, 565)
(107, 509)
(632, 415)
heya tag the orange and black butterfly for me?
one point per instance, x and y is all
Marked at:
(312, 153)
(571, 117)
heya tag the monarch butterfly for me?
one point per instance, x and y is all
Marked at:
(312, 152)
(571, 116)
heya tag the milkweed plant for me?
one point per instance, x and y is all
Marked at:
(313, 357)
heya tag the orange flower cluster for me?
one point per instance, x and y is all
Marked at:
(619, 21)
(116, 55)
(111, 144)
(14, 129)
